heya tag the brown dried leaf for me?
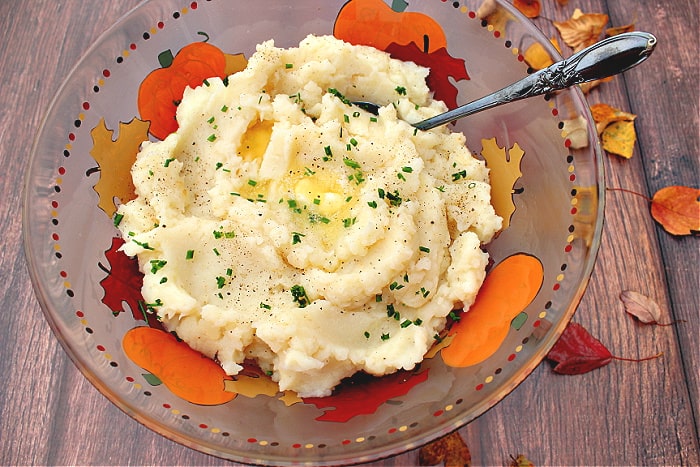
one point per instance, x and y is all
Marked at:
(450, 449)
(641, 307)
(677, 209)
(582, 29)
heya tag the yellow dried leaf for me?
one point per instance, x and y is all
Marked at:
(504, 172)
(619, 138)
(619, 30)
(582, 29)
(115, 158)
(604, 115)
(586, 87)
(537, 57)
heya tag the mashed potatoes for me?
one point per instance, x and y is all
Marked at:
(283, 225)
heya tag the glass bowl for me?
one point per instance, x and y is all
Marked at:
(543, 150)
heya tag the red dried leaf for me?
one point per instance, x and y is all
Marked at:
(450, 449)
(578, 352)
(442, 67)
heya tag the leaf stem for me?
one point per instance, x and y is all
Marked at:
(637, 360)
(624, 190)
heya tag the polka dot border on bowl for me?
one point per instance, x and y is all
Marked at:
(102, 80)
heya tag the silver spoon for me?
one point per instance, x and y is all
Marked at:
(600, 60)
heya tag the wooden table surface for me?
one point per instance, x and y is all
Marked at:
(622, 414)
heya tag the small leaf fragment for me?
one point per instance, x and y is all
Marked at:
(677, 209)
(530, 8)
(537, 56)
(576, 131)
(619, 138)
(521, 461)
(604, 115)
(450, 449)
(614, 31)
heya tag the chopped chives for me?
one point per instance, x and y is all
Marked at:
(211, 138)
(189, 254)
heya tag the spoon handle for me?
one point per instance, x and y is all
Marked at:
(602, 59)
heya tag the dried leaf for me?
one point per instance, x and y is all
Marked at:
(677, 209)
(521, 461)
(641, 307)
(604, 115)
(619, 138)
(609, 32)
(562, 2)
(505, 171)
(495, 16)
(587, 86)
(582, 29)
(450, 449)
(115, 158)
(578, 352)
(530, 8)
(537, 56)
(576, 131)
